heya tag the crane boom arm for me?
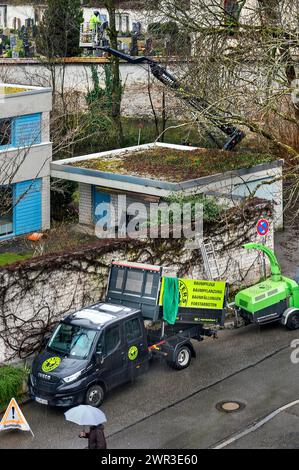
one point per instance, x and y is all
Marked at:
(235, 135)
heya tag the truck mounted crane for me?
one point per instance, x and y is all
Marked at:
(217, 117)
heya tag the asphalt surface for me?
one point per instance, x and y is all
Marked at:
(166, 409)
(169, 409)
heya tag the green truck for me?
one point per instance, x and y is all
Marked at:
(275, 299)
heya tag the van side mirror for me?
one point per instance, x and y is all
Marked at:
(99, 356)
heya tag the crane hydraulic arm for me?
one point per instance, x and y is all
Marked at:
(218, 119)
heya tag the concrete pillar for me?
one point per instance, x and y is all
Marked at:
(85, 204)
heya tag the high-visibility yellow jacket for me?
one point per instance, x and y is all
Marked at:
(94, 21)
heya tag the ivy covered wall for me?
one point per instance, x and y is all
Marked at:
(36, 294)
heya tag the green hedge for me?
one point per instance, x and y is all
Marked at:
(11, 383)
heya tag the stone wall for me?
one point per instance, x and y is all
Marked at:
(35, 294)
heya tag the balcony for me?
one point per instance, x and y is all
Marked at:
(6, 228)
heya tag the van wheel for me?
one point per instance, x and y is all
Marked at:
(293, 321)
(182, 359)
(95, 395)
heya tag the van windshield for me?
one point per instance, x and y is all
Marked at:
(72, 341)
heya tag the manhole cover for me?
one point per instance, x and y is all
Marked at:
(230, 406)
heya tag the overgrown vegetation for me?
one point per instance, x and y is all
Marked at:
(211, 209)
(177, 165)
(11, 383)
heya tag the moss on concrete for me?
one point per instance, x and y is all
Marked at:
(175, 165)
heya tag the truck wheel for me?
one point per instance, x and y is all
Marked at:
(182, 359)
(293, 321)
(95, 395)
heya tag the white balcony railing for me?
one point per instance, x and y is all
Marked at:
(6, 229)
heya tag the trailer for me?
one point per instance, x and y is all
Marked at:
(112, 342)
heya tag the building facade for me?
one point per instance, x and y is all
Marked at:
(25, 156)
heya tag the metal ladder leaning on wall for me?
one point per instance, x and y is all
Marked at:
(210, 261)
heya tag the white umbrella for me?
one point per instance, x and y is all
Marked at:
(85, 415)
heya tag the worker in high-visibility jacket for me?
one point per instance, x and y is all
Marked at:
(95, 21)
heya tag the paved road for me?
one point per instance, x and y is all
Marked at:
(169, 409)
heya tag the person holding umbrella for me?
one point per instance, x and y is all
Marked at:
(86, 415)
(96, 437)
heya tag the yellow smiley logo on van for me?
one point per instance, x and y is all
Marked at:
(133, 353)
(51, 364)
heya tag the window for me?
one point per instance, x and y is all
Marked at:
(27, 130)
(149, 284)
(72, 341)
(134, 281)
(232, 10)
(122, 23)
(5, 132)
(112, 339)
(38, 15)
(120, 279)
(133, 330)
(3, 16)
(6, 210)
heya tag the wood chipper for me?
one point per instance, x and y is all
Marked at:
(275, 299)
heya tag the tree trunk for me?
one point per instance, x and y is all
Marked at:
(270, 14)
(115, 72)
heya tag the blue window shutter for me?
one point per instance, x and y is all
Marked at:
(27, 130)
(28, 206)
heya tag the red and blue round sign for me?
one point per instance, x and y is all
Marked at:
(263, 227)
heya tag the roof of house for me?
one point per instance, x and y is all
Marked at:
(172, 164)
(8, 90)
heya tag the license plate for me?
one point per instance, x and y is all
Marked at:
(41, 400)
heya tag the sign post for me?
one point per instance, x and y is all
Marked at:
(262, 228)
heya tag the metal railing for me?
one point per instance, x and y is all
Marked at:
(6, 229)
(88, 35)
(91, 36)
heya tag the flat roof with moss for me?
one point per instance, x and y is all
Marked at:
(8, 90)
(170, 164)
(11, 90)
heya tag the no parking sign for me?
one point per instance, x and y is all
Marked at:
(263, 227)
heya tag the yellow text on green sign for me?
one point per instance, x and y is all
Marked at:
(199, 294)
